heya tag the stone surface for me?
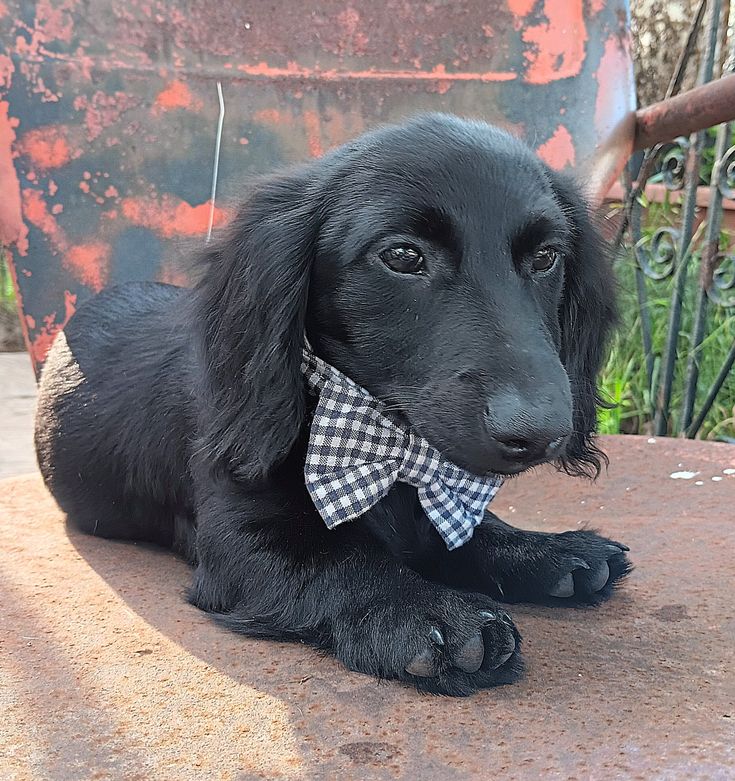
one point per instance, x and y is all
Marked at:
(107, 673)
(17, 403)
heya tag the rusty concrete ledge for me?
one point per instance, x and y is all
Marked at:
(108, 673)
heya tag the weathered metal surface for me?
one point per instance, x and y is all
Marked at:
(704, 106)
(109, 674)
(108, 110)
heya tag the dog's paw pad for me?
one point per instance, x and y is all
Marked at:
(491, 645)
(425, 664)
(598, 579)
(564, 587)
(580, 576)
(470, 655)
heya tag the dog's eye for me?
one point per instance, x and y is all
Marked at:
(403, 259)
(544, 259)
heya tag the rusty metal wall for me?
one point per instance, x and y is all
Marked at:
(108, 110)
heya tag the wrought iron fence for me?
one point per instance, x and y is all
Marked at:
(693, 259)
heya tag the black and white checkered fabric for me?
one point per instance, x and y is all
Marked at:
(356, 453)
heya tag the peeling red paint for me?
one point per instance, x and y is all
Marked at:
(170, 216)
(440, 87)
(102, 110)
(521, 7)
(12, 229)
(341, 125)
(36, 212)
(32, 72)
(439, 72)
(596, 6)
(313, 133)
(612, 102)
(46, 147)
(368, 63)
(6, 71)
(176, 95)
(353, 40)
(271, 116)
(54, 20)
(41, 343)
(173, 276)
(558, 151)
(3, 10)
(558, 45)
(90, 263)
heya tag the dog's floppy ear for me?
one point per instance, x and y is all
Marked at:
(587, 316)
(251, 305)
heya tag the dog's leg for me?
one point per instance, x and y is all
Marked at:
(513, 565)
(272, 571)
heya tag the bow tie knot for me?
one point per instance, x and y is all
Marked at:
(356, 453)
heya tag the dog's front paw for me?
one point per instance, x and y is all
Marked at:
(574, 567)
(440, 640)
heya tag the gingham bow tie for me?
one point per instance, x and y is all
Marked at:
(356, 453)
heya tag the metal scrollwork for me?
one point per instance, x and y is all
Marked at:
(721, 290)
(726, 174)
(657, 255)
(672, 165)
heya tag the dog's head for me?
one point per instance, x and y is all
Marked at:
(439, 264)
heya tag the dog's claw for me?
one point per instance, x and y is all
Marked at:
(599, 577)
(488, 615)
(423, 665)
(615, 550)
(436, 636)
(471, 654)
(576, 563)
(564, 588)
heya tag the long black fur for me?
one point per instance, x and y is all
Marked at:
(180, 416)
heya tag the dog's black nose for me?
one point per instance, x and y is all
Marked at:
(540, 448)
(530, 432)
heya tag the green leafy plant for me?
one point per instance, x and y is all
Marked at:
(708, 154)
(624, 379)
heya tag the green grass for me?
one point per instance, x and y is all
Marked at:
(624, 381)
(7, 294)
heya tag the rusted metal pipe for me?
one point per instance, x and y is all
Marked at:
(698, 108)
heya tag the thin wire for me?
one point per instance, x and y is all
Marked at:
(215, 171)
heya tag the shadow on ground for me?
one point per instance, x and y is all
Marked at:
(641, 685)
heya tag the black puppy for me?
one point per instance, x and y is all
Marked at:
(438, 264)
